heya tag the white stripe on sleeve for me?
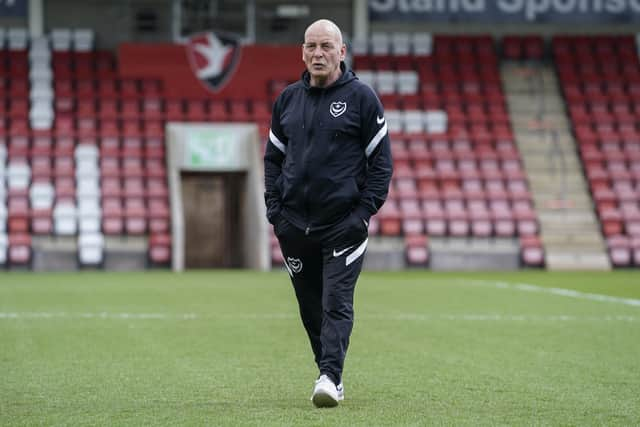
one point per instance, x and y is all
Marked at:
(376, 140)
(357, 253)
(275, 141)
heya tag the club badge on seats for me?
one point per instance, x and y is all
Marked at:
(213, 57)
(338, 108)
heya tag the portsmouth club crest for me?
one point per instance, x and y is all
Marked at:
(337, 108)
(213, 57)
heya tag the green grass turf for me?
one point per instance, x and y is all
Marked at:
(227, 348)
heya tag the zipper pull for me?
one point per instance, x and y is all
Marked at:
(306, 232)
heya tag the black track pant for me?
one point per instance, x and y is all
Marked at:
(324, 267)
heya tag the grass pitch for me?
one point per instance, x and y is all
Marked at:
(227, 348)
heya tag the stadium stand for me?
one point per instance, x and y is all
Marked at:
(600, 78)
(83, 147)
(457, 171)
(97, 138)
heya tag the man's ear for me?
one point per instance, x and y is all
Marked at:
(343, 52)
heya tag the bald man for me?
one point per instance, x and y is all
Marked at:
(327, 171)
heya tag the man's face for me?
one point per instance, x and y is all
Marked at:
(322, 52)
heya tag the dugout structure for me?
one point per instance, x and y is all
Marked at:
(216, 191)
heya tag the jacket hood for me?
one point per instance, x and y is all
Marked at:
(346, 77)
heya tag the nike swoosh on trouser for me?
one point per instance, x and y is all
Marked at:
(336, 254)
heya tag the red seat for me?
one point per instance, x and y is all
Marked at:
(619, 248)
(135, 216)
(218, 111)
(159, 216)
(390, 219)
(19, 249)
(532, 252)
(41, 221)
(239, 111)
(417, 250)
(160, 248)
(174, 111)
(196, 110)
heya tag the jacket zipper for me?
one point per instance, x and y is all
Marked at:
(304, 160)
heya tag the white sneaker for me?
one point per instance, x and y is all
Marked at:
(326, 394)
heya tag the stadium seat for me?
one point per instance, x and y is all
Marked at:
(61, 39)
(91, 249)
(417, 250)
(620, 251)
(19, 249)
(160, 249)
(82, 39)
(18, 38)
(532, 252)
(65, 218)
(4, 244)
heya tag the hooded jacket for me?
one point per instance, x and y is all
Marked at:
(328, 155)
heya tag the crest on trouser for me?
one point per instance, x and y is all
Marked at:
(213, 58)
(294, 264)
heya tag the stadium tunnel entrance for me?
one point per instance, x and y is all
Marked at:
(213, 232)
(216, 190)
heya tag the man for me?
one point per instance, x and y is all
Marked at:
(327, 171)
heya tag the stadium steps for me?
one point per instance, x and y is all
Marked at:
(569, 231)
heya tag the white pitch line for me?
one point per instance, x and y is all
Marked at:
(400, 317)
(556, 291)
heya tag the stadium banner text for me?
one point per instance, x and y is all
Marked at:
(507, 11)
(13, 8)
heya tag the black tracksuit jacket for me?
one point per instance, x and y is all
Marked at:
(328, 154)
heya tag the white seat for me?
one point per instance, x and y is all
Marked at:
(87, 170)
(394, 120)
(3, 159)
(18, 38)
(380, 44)
(90, 223)
(41, 73)
(400, 43)
(4, 245)
(89, 214)
(88, 186)
(61, 39)
(422, 44)
(41, 92)
(41, 114)
(18, 175)
(360, 46)
(65, 218)
(88, 204)
(90, 248)
(407, 82)
(386, 82)
(3, 217)
(40, 50)
(82, 39)
(86, 151)
(436, 121)
(368, 77)
(42, 195)
(413, 121)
